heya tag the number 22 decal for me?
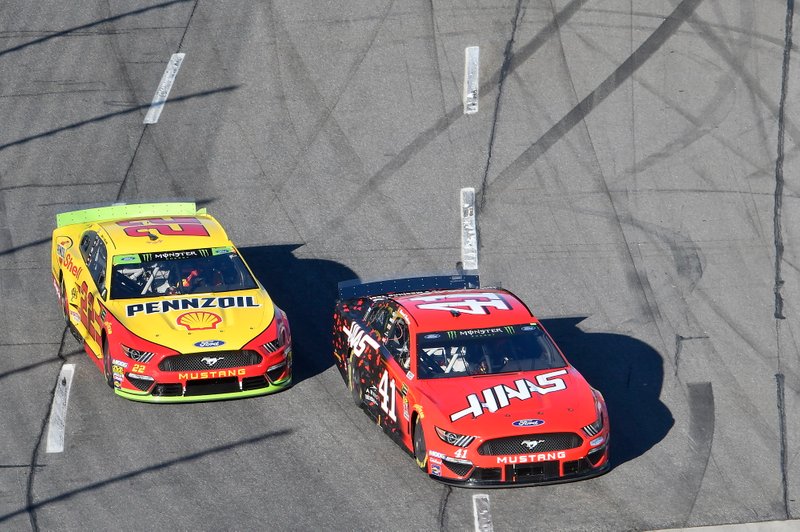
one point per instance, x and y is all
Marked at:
(386, 389)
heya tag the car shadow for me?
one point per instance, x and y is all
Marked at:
(306, 289)
(629, 373)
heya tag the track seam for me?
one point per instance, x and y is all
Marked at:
(779, 248)
(188, 22)
(504, 70)
(30, 509)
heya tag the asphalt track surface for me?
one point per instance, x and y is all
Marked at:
(637, 172)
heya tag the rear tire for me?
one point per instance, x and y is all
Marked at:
(420, 451)
(107, 365)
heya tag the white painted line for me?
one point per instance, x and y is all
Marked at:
(469, 231)
(164, 87)
(58, 412)
(483, 517)
(471, 79)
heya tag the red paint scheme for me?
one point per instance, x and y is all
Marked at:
(551, 406)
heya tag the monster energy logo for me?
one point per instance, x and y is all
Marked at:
(451, 334)
(176, 255)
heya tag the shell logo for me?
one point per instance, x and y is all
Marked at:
(199, 320)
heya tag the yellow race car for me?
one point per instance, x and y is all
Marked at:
(165, 306)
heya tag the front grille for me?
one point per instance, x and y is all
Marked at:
(459, 469)
(487, 474)
(254, 383)
(531, 443)
(141, 384)
(211, 360)
(212, 386)
(539, 472)
(576, 467)
(168, 390)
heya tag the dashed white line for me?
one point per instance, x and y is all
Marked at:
(469, 231)
(58, 412)
(162, 93)
(471, 79)
(483, 516)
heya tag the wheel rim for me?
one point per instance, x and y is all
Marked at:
(64, 304)
(355, 389)
(420, 453)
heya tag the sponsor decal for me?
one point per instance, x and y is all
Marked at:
(500, 396)
(175, 226)
(597, 441)
(478, 303)
(528, 422)
(436, 469)
(437, 454)
(406, 413)
(62, 245)
(117, 370)
(71, 265)
(371, 395)
(531, 444)
(168, 305)
(409, 376)
(432, 336)
(196, 375)
(528, 328)
(209, 343)
(358, 339)
(119, 363)
(199, 320)
(435, 460)
(74, 315)
(212, 361)
(531, 458)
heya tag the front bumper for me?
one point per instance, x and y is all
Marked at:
(221, 396)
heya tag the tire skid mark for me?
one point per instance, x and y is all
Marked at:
(504, 71)
(701, 436)
(779, 181)
(446, 491)
(30, 507)
(784, 463)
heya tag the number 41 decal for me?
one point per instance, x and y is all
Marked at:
(386, 389)
(463, 303)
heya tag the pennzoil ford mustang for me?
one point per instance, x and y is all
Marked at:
(165, 306)
(467, 380)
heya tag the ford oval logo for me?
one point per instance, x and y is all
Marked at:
(528, 422)
(433, 336)
(209, 343)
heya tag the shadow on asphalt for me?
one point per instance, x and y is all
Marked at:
(306, 290)
(629, 373)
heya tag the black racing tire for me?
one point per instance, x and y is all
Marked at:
(107, 365)
(64, 301)
(420, 451)
(354, 383)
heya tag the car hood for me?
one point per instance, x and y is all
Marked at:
(180, 322)
(481, 405)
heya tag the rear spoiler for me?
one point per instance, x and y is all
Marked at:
(354, 288)
(123, 210)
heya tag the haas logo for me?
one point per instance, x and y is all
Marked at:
(358, 339)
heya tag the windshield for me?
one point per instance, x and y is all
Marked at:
(485, 352)
(192, 271)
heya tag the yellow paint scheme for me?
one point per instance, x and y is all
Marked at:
(180, 326)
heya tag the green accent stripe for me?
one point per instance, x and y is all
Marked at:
(134, 210)
(147, 398)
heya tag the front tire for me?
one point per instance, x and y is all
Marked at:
(353, 382)
(420, 451)
(107, 365)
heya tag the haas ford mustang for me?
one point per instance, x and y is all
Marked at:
(165, 306)
(467, 380)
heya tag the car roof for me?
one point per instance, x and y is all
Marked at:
(169, 233)
(464, 309)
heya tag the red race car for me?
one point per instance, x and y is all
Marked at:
(467, 380)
